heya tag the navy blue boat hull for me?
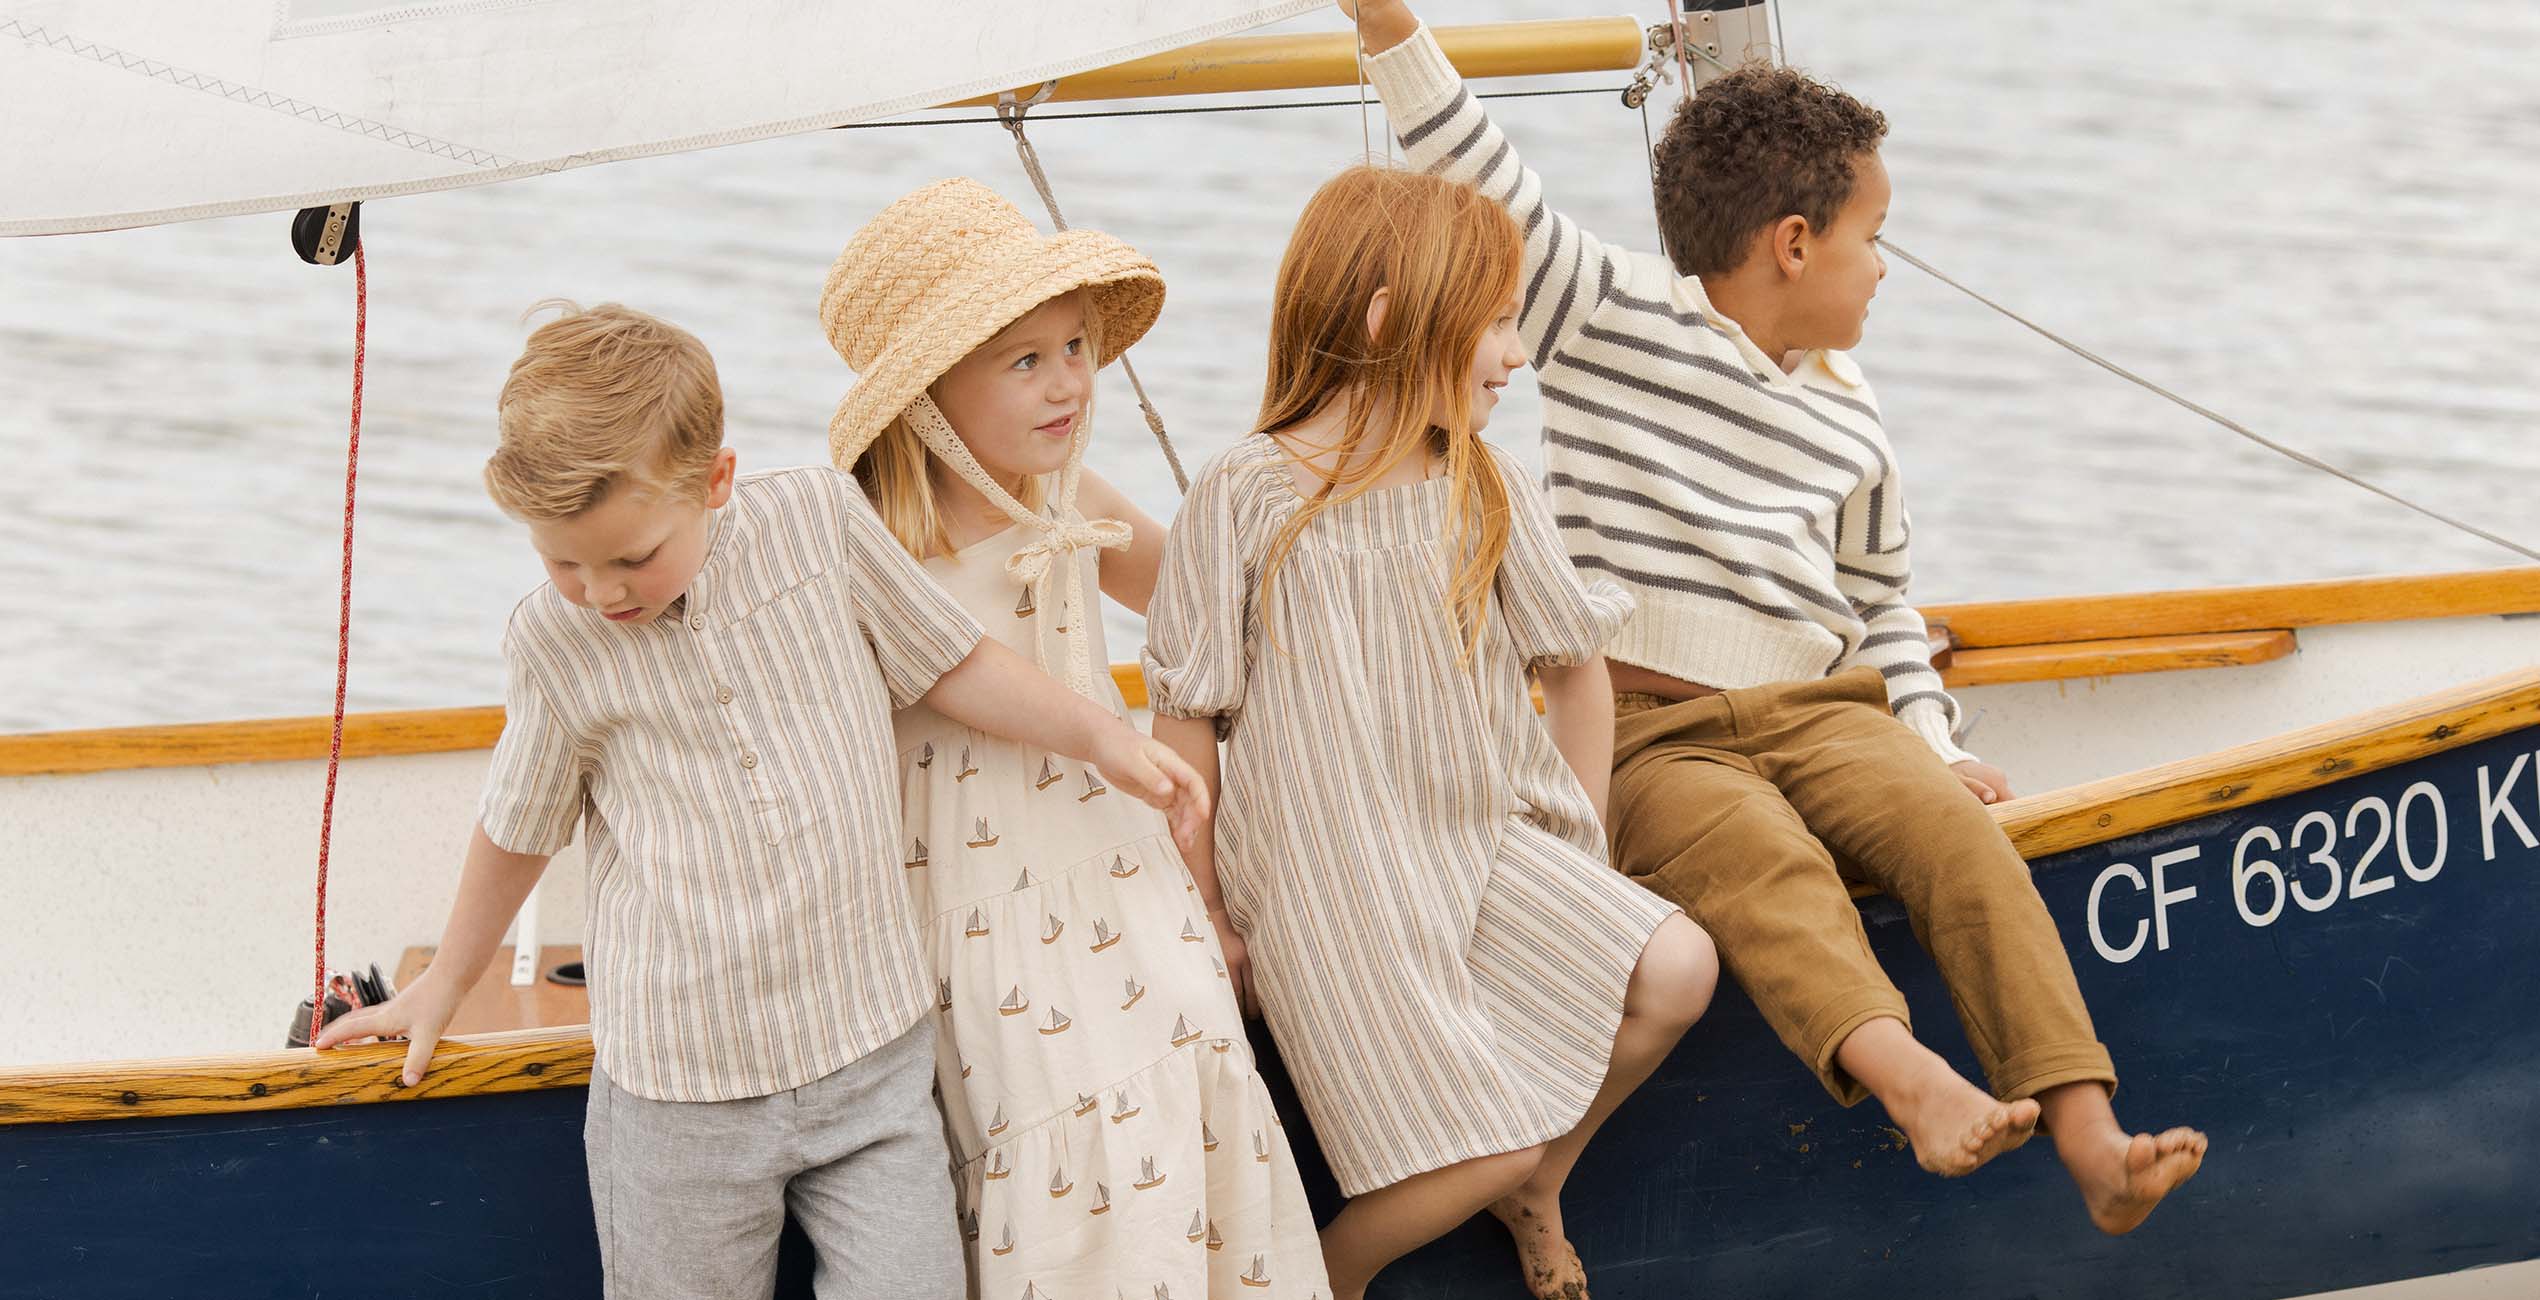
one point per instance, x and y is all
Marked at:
(2366, 1071)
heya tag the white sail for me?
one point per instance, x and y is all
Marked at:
(134, 112)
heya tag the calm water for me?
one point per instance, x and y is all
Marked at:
(2316, 216)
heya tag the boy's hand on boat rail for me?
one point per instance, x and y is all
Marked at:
(417, 1014)
(1983, 780)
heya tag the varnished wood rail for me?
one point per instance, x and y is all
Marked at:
(2098, 811)
(293, 1079)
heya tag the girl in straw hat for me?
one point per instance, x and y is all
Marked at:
(1109, 1133)
(1353, 598)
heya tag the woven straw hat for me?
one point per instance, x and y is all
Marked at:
(944, 270)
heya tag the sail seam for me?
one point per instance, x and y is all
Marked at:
(251, 96)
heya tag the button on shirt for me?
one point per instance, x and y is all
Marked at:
(730, 764)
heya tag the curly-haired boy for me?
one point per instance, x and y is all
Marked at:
(1710, 446)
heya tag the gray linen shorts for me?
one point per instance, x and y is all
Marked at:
(689, 1197)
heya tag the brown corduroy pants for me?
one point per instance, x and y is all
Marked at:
(1753, 810)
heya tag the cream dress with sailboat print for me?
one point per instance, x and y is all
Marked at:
(1109, 1135)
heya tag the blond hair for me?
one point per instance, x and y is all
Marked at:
(1450, 260)
(897, 477)
(601, 399)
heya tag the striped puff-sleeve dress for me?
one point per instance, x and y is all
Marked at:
(1438, 943)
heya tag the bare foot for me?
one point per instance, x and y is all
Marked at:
(1552, 1269)
(2122, 1185)
(1956, 1133)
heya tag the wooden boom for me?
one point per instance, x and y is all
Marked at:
(1248, 64)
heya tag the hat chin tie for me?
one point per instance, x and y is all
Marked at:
(1061, 534)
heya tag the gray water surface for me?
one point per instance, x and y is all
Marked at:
(2317, 217)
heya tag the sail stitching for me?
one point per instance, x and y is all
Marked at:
(251, 96)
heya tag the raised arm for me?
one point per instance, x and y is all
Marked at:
(1444, 130)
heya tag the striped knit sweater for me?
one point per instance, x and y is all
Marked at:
(1756, 515)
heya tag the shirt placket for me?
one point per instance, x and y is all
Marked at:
(741, 748)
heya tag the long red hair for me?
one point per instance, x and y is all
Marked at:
(1449, 260)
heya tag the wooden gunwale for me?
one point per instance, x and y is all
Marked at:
(2041, 825)
(2088, 636)
(2241, 609)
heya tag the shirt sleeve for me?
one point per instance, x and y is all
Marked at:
(1568, 271)
(539, 780)
(917, 630)
(1200, 620)
(1873, 567)
(1553, 616)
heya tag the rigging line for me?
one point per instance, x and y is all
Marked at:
(1204, 108)
(1366, 141)
(2298, 457)
(343, 625)
(1010, 114)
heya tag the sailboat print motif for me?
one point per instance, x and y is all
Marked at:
(1184, 1033)
(997, 1122)
(1198, 1228)
(1102, 1200)
(1058, 1023)
(1032, 1291)
(1259, 1276)
(1087, 1105)
(985, 838)
(1049, 774)
(997, 1166)
(968, 768)
(1148, 1177)
(1260, 1148)
(977, 926)
(1190, 932)
(1122, 868)
(1015, 1003)
(1050, 932)
(926, 756)
(916, 855)
(1121, 1110)
(969, 1225)
(1023, 881)
(1207, 1139)
(1104, 935)
(943, 995)
(1215, 1242)
(1025, 608)
(1005, 1245)
(1059, 1184)
(1135, 991)
(1094, 788)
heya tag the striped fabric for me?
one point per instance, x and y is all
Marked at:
(731, 766)
(1756, 514)
(1437, 941)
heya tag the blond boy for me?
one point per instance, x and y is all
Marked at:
(704, 687)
